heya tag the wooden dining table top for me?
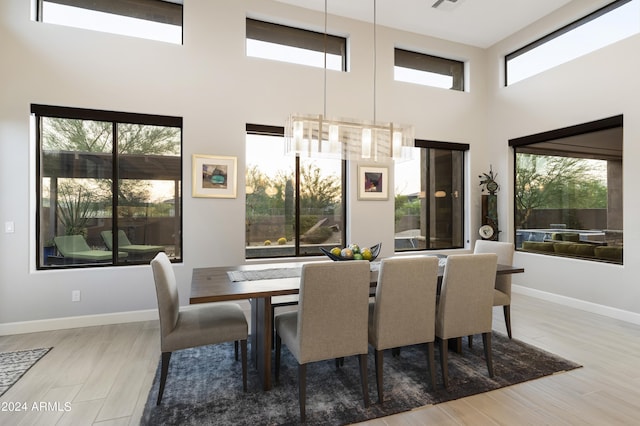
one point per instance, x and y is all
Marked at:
(213, 284)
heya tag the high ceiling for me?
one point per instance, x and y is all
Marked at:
(479, 23)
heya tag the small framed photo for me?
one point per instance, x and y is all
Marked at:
(373, 183)
(214, 176)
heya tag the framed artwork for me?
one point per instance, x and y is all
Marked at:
(214, 176)
(373, 183)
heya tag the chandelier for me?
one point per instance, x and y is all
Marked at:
(316, 136)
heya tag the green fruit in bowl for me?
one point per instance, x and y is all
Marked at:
(366, 253)
(354, 248)
(336, 251)
(357, 256)
(347, 253)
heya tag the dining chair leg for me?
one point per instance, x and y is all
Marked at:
(379, 356)
(340, 362)
(277, 360)
(432, 364)
(273, 328)
(444, 363)
(235, 349)
(302, 391)
(166, 357)
(507, 318)
(470, 341)
(486, 342)
(363, 378)
(243, 345)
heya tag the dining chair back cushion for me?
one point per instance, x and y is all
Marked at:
(205, 324)
(466, 296)
(405, 302)
(504, 250)
(167, 293)
(332, 316)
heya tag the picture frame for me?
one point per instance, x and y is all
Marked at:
(214, 176)
(373, 183)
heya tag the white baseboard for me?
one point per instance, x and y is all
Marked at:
(607, 311)
(152, 314)
(76, 322)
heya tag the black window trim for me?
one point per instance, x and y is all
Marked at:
(297, 37)
(259, 129)
(578, 129)
(73, 113)
(430, 63)
(164, 12)
(560, 31)
(450, 146)
(575, 130)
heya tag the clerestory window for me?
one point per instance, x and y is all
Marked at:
(612, 23)
(150, 19)
(277, 42)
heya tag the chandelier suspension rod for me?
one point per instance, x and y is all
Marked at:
(325, 59)
(375, 58)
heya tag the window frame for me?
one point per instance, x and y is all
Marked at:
(158, 11)
(557, 33)
(278, 131)
(446, 146)
(432, 64)
(285, 35)
(552, 135)
(39, 111)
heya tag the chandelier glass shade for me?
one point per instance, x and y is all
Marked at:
(315, 136)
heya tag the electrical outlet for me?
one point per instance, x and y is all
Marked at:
(75, 296)
(9, 227)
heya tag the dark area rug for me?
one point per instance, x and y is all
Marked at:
(204, 386)
(13, 365)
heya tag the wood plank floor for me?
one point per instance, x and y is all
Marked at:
(105, 373)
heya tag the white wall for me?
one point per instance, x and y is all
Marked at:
(216, 89)
(600, 85)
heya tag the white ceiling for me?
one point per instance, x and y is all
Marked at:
(479, 23)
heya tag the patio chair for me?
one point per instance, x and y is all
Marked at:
(138, 250)
(75, 247)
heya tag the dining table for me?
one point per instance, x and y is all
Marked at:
(260, 284)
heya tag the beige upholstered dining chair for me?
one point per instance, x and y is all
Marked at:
(330, 322)
(502, 292)
(404, 309)
(465, 303)
(205, 324)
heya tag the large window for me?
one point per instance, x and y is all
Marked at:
(294, 45)
(601, 28)
(109, 187)
(428, 70)
(568, 191)
(150, 19)
(429, 203)
(294, 205)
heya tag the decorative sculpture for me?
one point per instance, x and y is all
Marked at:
(489, 229)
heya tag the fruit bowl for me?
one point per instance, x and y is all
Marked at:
(375, 251)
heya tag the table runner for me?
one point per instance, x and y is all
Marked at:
(288, 272)
(265, 274)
